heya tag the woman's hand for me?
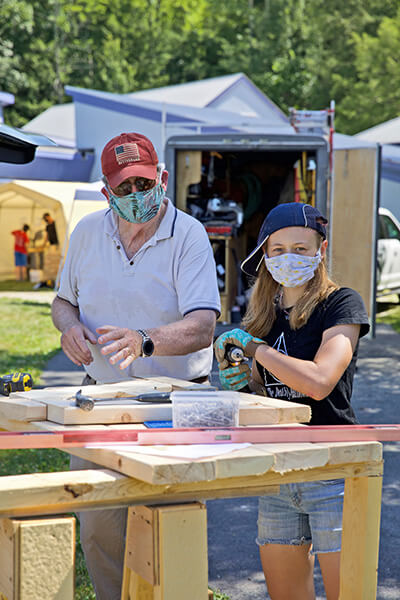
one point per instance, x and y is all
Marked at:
(238, 338)
(235, 378)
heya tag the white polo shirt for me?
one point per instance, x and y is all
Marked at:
(171, 275)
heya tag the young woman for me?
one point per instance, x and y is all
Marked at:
(302, 332)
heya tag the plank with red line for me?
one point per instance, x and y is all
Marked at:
(209, 435)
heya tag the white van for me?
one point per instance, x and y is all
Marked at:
(388, 261)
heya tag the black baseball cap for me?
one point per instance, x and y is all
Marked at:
(292, 214)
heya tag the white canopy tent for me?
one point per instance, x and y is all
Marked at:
(24, 201)
(387, 132)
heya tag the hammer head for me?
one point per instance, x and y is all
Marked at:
(83, 402)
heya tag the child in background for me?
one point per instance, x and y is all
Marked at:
(21, 241)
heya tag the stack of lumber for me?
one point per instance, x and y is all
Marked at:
(57, 405)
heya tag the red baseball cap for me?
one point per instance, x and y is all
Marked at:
(128, 155)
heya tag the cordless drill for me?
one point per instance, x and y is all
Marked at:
(15, 382)
(234, 355)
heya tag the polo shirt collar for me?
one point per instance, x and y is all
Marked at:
(167, 225)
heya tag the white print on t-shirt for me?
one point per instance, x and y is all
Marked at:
(274, 386)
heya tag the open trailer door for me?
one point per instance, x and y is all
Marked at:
(353, 218)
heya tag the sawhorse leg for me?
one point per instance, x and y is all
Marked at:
(166, 553)
(360, 539)
(37, 558)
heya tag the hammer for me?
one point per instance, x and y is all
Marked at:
(87, 402)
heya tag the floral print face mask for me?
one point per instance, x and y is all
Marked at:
(292, 270)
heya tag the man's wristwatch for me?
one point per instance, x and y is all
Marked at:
(147, 343)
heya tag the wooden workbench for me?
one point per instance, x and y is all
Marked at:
(166, 550)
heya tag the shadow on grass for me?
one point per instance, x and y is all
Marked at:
(25, 302)
(20, 361)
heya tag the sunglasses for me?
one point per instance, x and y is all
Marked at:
(123, 189)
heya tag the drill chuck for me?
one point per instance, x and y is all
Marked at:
(234, 355)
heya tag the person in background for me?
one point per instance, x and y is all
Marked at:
(138, 296)
(47, 252)
(301, 331)
(51, 230)
(21, 241)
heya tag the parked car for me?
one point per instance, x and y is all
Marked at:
(388, 263)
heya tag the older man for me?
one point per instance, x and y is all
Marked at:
(138, 297)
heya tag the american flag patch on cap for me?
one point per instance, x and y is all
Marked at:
(127, 153)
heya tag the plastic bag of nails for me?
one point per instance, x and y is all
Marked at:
(205, 409)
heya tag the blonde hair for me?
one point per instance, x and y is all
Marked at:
(260, 314)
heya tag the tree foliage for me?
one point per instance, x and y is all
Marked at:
(300, 53)
(375, 96)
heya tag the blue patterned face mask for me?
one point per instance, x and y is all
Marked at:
(292, 270)
(138, 207)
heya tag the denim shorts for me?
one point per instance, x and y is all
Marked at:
(303, 513)
(21, 259)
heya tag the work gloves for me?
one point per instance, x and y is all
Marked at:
(238, 376)
(235, 378)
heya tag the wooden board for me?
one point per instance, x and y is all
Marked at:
(22, 409)
(167, 548)
(188, 171)
(179, 384)
(352, 221)
(118, 413)
(112, 390)
(260, 410)
(256, 459)
(57, 404)
(69, 491)
(360, 543)
(37, 558)
(161, 470)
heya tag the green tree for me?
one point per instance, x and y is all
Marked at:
(16, 23)
(331, 51)
(265, 40)
(300, 53)
(112, 45)
(375, 97)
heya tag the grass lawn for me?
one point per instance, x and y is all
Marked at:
(28, 340)
(10, 285)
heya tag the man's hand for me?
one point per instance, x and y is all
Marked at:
(235, 378)
(73, 342)
(235, 337)
(124, 344)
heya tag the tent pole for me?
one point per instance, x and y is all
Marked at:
(57, 282)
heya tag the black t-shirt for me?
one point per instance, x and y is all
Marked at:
(343, 306)
(52, 233)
